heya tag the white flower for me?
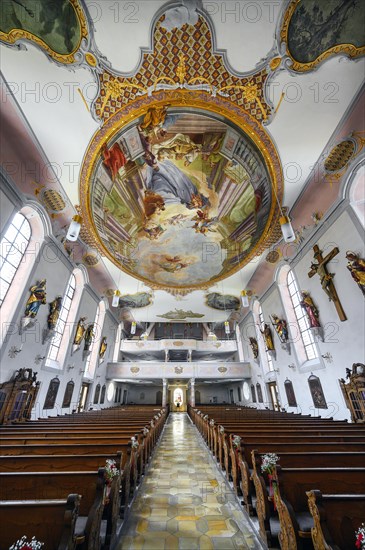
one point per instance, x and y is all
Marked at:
(152, 423)
(205, 417)
(360, 537)
(236, 441)
(221, 429)
(211, 422)
(134, 443)
(145, 431)
(33, 544)
(269, 461)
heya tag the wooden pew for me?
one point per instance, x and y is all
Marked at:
(289, 494)
(336, 519)
(49, 521)
(52, 485)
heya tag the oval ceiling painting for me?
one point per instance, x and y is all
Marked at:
(179, 197)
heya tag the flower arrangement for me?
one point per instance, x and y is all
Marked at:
(236, 441)
(145, 431)
(205, 417)
(24, 544)
(269, 461)
(135, 443)
(221, 429)
(360, 537)
(211, 422)
(155, 417)
(111, 471)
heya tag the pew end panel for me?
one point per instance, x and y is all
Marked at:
(49, 521)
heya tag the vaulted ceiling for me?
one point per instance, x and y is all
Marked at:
(215, 109)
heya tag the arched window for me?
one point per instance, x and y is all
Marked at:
(92, 358)
(96, 395)
(262, 324)
(57, 350)
(253, 393)
(259, 393)
(62, 320)
(102, 396)
(12, 249)
(309, 344)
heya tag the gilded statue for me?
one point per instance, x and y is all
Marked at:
(36, 299)
(281, 328)
(54, 312)
(356, 266)
(266, 332)
(89, 335)
(103, 346)
(80, 331)
(311, 310)
(254, 347)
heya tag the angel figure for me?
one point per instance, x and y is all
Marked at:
(281, 328)
(266, 332)
(54, 312)
(254, 347)
(103, 346)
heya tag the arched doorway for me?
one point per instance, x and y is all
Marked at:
(159, 397)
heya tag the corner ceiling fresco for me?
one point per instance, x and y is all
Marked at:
(180, 197)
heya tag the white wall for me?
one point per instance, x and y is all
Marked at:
(344, 341)
(53, 265)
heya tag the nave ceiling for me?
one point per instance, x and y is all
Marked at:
(213, 117)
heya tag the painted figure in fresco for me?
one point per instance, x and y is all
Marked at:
(89, 335)
(80, 331)
(254, 347)
(154, 118)
(36, 299)
(103, 346)
(202, 222)
(54, 312)
(311, 310)
(153, 202)
(356, 266)
(153, 233)
(281, 327)
(113, 159)
(266, 332)
(171, 264)
(173, 185)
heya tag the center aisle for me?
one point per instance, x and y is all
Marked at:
(184, 501)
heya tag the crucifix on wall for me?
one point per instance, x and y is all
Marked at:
(320, 268)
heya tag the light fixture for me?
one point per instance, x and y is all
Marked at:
(285, 223)
(226, 327)
(287, 229)
(115, 301)
(244, 298)
(74, 229)
(133, 327)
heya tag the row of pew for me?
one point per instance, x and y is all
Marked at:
(314, 498)
(53, 482)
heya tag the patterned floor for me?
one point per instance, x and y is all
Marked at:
(184, 501)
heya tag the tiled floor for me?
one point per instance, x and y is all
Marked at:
(184, 501)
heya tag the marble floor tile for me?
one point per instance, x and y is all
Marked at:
(184, 501)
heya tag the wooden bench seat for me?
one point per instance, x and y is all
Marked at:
(336, 519)
(49, 521)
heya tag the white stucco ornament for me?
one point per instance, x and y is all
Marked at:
(177, 17)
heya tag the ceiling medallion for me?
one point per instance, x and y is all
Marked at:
(177, 191)
(339, 156)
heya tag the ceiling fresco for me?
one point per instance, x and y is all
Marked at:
(57, 27)
(315, 31)
(180, 198)
(178, 154)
